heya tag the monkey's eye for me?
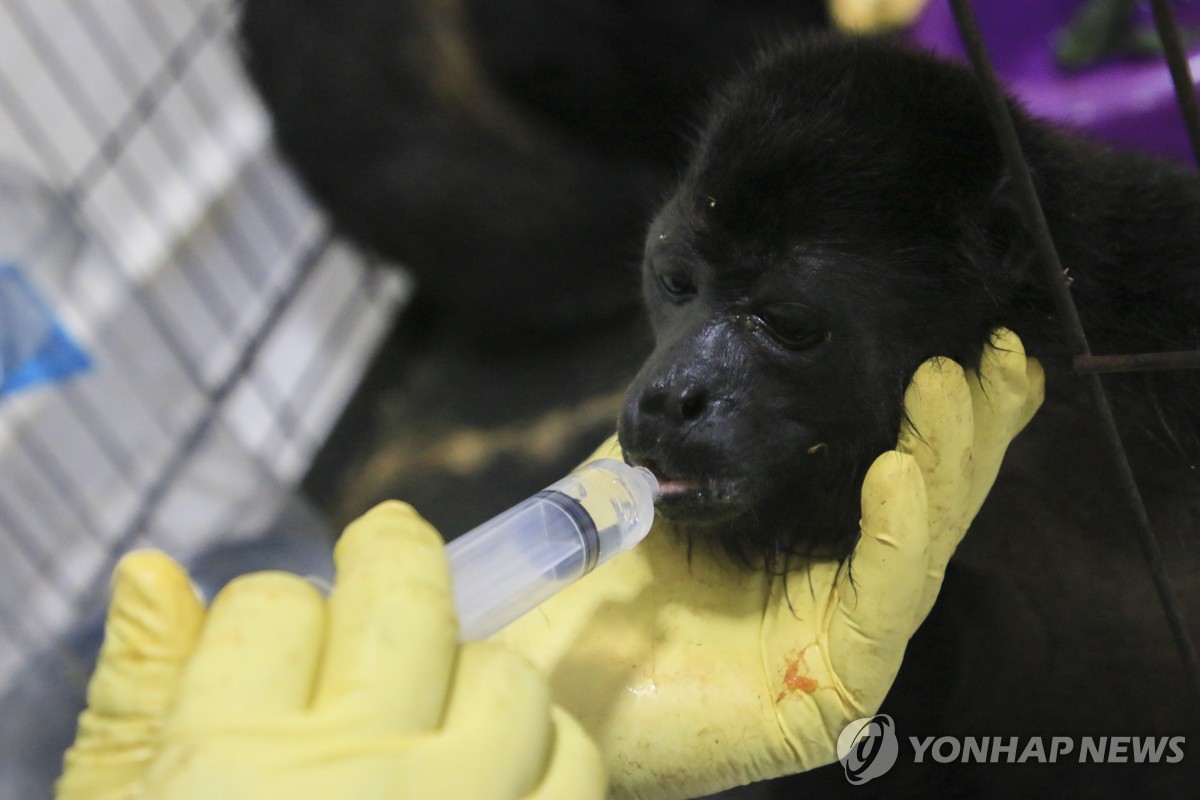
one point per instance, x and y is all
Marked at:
(677, 284)
(795, 326)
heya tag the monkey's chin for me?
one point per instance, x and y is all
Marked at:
(707, 504)
(754, 533)
(698, 514)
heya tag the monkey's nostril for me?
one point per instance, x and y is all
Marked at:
(692, 402)
(653, 401)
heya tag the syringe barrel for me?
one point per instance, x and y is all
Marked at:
(517, 560)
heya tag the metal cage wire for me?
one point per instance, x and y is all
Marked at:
(1087, 365)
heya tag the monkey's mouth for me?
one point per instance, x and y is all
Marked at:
(697, 500)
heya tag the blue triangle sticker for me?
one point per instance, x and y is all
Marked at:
(35, 349)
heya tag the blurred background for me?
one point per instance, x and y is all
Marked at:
(265, 264)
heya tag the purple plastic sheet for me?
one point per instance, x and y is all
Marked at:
(1125, 101)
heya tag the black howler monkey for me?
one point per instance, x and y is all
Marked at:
(847, 214)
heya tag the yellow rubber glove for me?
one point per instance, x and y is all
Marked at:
(366, 696)
(153, 623)
(870, 16)
(694, 676)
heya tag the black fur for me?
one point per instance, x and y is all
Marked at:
(508, 152)
(862, 183)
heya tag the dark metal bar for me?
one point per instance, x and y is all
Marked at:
(1140, 362)
(1031, 207)
(1056, 281)
(1181, 73)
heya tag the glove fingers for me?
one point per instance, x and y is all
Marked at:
(939, 434)
(576, 771)
(1007, 391)
(879, 599)
(1005, 394)
(499, 713)
(392, 630)
(257, 654)
(153, 623)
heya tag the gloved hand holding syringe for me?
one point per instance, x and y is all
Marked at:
(517, 560)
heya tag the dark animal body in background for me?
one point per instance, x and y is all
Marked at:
(846, 215)
(508, 153)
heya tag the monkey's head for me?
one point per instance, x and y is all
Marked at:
(839, 223)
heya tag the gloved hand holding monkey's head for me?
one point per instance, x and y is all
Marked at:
(695, 676)
(690, 674)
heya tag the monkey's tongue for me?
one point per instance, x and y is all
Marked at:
(667, 485)
(673, 488)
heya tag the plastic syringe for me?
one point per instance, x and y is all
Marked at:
(519, 559)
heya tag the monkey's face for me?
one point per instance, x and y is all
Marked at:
(776, 378)
(837, 225)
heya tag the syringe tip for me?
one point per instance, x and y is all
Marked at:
(649, 479)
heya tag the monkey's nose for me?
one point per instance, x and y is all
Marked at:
(681, 401)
